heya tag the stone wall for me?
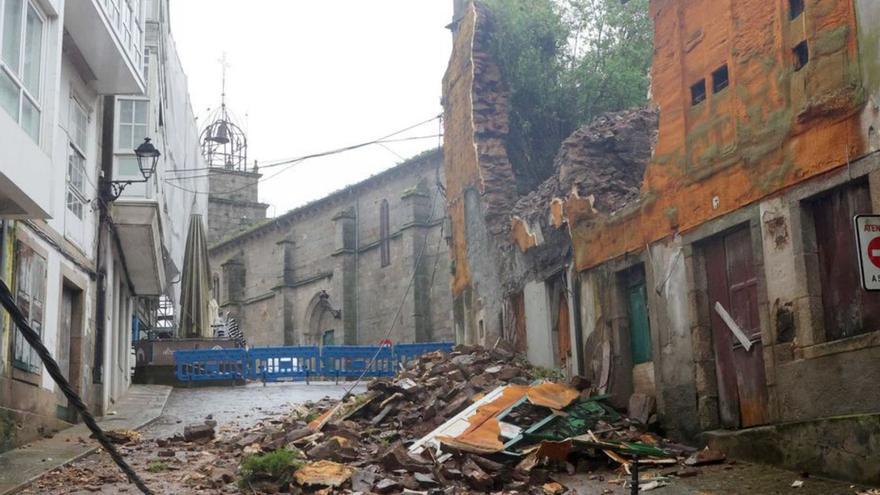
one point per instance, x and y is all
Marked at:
(272, 275)
(233, 204)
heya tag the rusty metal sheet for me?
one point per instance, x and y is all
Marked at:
(484, 431)
(478, 430)
(553, 395)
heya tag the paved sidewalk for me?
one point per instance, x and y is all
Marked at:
(18, 467)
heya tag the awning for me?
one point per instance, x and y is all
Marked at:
(195, 286)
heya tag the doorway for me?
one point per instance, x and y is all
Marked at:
(635, 299)
(732, 289)
(69, 350)
(328, 337)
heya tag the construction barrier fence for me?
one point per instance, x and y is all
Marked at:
(272, 364)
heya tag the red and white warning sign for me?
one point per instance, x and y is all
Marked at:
(868, 242)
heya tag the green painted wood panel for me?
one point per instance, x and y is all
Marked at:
(640, 329)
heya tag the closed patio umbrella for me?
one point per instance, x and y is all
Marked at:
(195, 320)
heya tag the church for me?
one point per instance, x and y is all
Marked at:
(364, 265)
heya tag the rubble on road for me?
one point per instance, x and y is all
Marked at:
(473, 420)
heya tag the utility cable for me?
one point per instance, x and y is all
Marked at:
(287, 161)
(402, 300)
(386, 138)
(294, 161)
(33, 339)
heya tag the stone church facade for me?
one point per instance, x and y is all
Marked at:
(335, 271)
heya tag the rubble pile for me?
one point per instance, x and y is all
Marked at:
(605, 158)
(473, 420)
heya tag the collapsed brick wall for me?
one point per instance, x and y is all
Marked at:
(604, 159)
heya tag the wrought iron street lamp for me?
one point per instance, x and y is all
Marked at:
(147, 158)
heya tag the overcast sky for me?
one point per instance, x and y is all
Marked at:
(315, 75)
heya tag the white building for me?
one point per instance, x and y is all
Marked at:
(80, 88)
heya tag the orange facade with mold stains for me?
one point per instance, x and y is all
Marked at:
(753, 98)
(459, 148)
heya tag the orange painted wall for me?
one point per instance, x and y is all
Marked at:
(772, 127)
(459, 150)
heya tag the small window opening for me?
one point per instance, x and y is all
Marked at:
(795, 8)
(720, 79)
(698, 92)
(801, 55)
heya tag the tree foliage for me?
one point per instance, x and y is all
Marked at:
(565, 62)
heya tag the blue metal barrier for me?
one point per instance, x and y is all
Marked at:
(351, 360)
(210, 364)
(408, 352)
(270, 364)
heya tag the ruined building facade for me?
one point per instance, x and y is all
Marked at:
(740, 216)
(346, 268)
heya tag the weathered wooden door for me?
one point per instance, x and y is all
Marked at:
(733, 282)
(520, 338)
(563, 331)
(637, 311)
(62, 355)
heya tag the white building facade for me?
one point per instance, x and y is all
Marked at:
(79, 90)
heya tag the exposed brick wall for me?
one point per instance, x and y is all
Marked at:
(771, 128)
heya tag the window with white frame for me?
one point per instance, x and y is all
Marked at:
(132, 120)
(132, 117)
(21, 56)
(76, 159)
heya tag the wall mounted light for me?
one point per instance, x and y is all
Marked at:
(147, 159)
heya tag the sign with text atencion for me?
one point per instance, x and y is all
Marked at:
(868, 243)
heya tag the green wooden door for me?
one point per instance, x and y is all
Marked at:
(328, 338)
(640, 329)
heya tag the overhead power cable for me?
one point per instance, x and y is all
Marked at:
(406, 291)
(33, 339)
(293, 161)
(385, 139)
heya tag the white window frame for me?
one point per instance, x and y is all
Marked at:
(17, 78)
(136, 140)
(136, 190)
(77, 197)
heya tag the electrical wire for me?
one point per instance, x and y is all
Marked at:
(386, 139)
(294, 161)
(278, 163)
(33, 339)
(402, 299)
